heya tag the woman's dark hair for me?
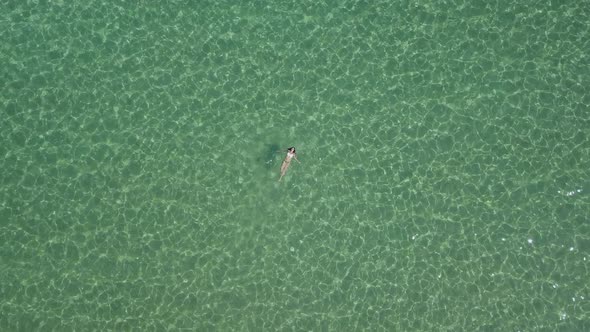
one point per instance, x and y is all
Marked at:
(291, 148)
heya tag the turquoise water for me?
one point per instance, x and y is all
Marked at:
(443, 183)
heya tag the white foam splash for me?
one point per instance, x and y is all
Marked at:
(569, 193)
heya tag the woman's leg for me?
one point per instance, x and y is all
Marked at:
(284, 167)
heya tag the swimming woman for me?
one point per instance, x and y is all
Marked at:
(290, 155)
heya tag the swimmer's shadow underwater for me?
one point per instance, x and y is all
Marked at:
(269, 156)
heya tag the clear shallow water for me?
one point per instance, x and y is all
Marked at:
(443, 185)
